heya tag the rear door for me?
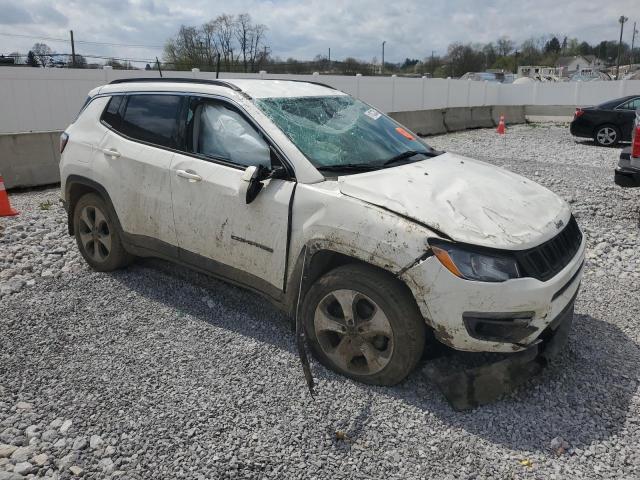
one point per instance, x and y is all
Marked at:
(136, 153)
(627, 114)
(215, 226)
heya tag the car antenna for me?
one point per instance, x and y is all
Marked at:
(300, 335)
(159, 69)
(218, 66)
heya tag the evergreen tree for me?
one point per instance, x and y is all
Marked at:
(31, 59)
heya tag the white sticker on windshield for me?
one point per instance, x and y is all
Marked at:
(373, 113)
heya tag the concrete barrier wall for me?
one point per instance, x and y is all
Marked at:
(512, 114)
(433, 122)
(422, 122)
(30, 159)
(542, 113)
(481, 117)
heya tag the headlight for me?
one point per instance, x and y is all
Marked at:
(471, 265)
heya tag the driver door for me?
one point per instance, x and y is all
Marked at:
(216, 229)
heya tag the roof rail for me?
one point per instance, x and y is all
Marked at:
(219, 83)
(292, 80)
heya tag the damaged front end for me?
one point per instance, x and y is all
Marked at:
(466, 387)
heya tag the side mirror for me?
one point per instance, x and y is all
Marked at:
(253, 176)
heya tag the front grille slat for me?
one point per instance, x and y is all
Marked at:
(545, 261)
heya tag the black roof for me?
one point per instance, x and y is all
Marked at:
(617, 101)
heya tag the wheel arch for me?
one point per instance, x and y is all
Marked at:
(76, 187)
(325, 258)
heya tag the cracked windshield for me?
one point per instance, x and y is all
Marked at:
(340, 131)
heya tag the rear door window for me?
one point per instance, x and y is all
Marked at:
(153, 119)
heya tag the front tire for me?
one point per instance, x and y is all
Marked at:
(607, 135)
(96, 235)
(364, 324)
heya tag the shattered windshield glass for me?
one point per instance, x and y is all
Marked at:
(340, 130)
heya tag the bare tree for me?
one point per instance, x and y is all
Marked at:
(212, 49)
(43, 54)
(256, 47)
(224, 34)
(504, 46)
(243, 33)
(236, 40)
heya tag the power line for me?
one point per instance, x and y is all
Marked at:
(101, 57)
(87, 42)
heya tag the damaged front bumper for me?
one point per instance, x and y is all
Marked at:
(471, 387)
(499, 317)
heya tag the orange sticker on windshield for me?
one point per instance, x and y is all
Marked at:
(404, 133)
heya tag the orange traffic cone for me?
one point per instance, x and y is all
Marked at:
(501, 128)
(5, 206)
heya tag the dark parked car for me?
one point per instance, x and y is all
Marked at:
(608, 123)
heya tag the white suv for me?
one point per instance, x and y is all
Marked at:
(332, 210)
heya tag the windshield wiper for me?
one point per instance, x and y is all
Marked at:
(353, 167)
(404, 156)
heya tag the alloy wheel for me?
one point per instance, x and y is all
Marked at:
(95, 234)
(353, 332)
(606, 136)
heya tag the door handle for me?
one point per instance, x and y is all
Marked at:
(111, 152)
(192, 177)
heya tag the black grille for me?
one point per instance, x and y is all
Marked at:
(546, 260)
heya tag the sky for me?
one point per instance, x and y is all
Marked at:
(304, 29)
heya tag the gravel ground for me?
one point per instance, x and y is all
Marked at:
(160, 373)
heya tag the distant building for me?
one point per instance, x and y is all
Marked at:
(568, 66)
(536, 70)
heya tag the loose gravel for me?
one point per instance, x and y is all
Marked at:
(157, 372)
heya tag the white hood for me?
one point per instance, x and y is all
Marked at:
(468, 200)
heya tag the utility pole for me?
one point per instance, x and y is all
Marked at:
(433, 64)
(382, 65)
(73, 51)
(622, 20)
(633, 42)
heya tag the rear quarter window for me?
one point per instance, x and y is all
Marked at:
(112, 114)
(630, 105)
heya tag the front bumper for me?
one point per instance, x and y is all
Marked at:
(468, 388)
(526, 306)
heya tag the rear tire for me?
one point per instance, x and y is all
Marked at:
(381, 337)
(607, 135)
(97, 236)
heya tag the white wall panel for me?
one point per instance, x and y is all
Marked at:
(39, 99)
